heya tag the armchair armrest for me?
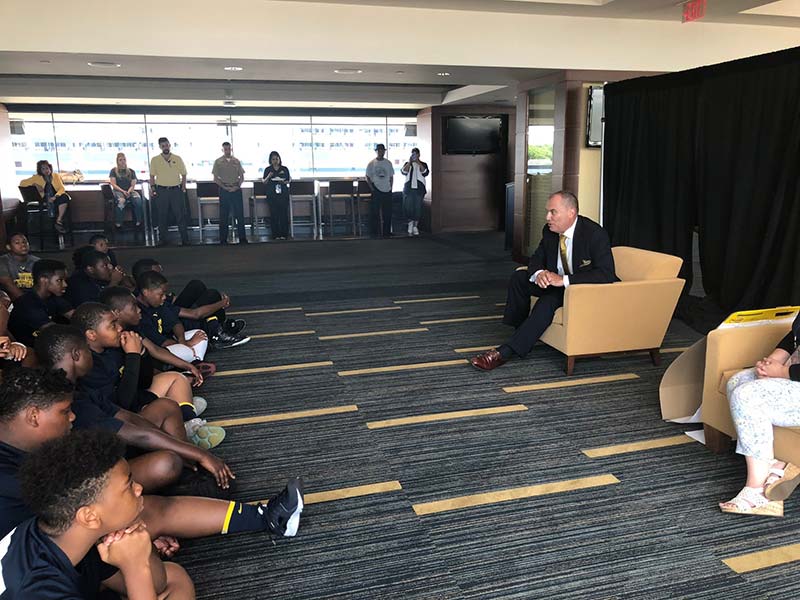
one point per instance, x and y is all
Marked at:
(625, 315)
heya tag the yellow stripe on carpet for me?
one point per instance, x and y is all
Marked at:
(461, 320)
(261, 336)
(664, 442)
(446, 416)
(569, 383)
(530, 491)
(436, 299)
(286, 416)
(409, 367)
(474, 349)
(352, 311)
(346, 336)
(262, 311)
(349, 492)
(764, 559)
(275, 369)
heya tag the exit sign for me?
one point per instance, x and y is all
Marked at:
(694, 10)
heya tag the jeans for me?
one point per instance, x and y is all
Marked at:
(412, 201)
(231, 203)
(380, 206)
(135, 203)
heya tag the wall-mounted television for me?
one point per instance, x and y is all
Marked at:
(473, 134)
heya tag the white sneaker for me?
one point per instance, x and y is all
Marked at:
(415, 231)
(192, 425)
(410, 228)
(200, 405)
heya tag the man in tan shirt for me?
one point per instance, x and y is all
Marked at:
(168, 189)
(228, 175)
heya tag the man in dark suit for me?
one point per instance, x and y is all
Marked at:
(573, 250)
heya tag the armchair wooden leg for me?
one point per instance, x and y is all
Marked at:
(716, 441)
(655, 356)
(570, 365)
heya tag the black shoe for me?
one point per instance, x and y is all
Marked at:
(234, 326)
(223, 340)
(59, 227)
(243, 241)
(282, 512)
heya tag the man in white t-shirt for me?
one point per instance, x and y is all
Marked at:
(380, 176)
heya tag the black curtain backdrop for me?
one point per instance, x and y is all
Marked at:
(717, 149)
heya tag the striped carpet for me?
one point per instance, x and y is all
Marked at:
(490, 504)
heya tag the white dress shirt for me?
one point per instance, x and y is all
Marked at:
(569, 234)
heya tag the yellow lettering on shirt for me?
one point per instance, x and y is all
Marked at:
(24, 281)
(160, 326)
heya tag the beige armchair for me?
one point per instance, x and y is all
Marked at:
(728, 351)
(631, 314)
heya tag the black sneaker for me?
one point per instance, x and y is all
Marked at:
(234, 326)
(282, 513)
(223, 340)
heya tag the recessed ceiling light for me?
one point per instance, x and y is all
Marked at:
(229, 103)
(443, 74)
(348, 71)
(400, 72)
(103, 64)
(233, 68)
(45, 62)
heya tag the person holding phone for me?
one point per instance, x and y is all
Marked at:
(277, 178)
(414, 190)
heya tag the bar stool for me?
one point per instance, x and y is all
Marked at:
(301, 191)
(259, 194)
(36, 206)
(343, 194)
(207, 194)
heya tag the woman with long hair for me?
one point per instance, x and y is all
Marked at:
(123, 185)
(414, 190)
(277, 178)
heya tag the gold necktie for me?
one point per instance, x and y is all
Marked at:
(562, 246)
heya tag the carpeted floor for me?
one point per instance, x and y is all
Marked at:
(650, 530)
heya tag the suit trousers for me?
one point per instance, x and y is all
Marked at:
(530, 323)
(171, 199)
(231, 203)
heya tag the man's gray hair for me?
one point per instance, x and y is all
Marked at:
(568, 198)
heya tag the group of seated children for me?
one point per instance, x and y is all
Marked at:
(76, 517)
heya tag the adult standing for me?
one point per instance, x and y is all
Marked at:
(168, 185)
(380, 177)
(51, 188)
(123, 186)
(229, 175)
(277, 179)
(414, 190)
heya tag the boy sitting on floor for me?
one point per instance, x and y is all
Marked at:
(16, 267)
(99, 242)
(35, 407)
(39, 306)
(129, 315)
(81, 490)
(119, 371)
(159, 429)
(93, 272)
(194, 295)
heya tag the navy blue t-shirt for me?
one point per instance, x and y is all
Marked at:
(12, 509)
(29, 315)
(157, 323)
(33, 567)
(82, 288)
(94, 410)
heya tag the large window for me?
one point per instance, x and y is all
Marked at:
(312, 147)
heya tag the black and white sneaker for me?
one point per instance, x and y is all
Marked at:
(282, 513)
(223, 340)
(234, 326)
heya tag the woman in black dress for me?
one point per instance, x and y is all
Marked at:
(277, 178)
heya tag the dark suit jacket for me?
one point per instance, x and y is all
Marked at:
(592, 261)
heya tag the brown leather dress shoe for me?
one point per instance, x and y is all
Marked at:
(488, 360)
